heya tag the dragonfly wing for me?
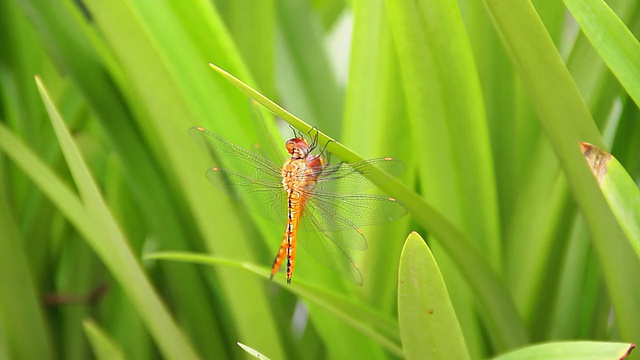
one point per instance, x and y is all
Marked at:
(262, 198)
(347, 211)
(334, 208)
(318, 217)
(348, 178)
(236, 159)
(329, 253)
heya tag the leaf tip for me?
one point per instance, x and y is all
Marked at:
(217, 68)
(39, 82)
(629, 350)
(596, 159)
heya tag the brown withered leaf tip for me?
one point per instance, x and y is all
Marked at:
(631, 347)
(596, 158)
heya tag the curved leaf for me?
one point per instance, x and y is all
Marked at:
(428, 324)
(578, 350)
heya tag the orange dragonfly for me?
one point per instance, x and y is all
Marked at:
(309, 194)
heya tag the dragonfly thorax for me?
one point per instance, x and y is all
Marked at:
(299, 176)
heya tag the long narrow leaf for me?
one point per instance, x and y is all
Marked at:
(21, 315)
(612, 39)
(619, 189)
(361, 317)
(566, 121)
(114, 250)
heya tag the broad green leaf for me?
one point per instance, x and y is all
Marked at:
(375, 125)
(446, 112)
(329, 11)
(578, 350)
(428, 324)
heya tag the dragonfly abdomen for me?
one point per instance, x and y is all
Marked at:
(295, 206)
(298, 181)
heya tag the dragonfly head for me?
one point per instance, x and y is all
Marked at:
(297, 147)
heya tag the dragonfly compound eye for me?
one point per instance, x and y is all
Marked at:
(297, 148)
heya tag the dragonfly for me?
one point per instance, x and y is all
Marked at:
(308, 195)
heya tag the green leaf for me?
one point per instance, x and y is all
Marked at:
(612, 39)
(449, 130)
(446, 111)
(428, 324)
(252, 352)
(253, 27)
(375, 125)
(176, 91)
(104, 348)
(578, 350)
(365, 319)
(22, 320)
(112, 247)
(618, 188)
(306, 80)
(566, 121)
(112, 111)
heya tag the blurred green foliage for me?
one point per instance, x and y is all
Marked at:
(486, 102)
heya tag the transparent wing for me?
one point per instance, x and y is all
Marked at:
(267, 199)
(332, 212)
(244, 176)
(332, 208)
(325, 249)
(344, 211)
(336, 208)
(352, 178)
(339, 216)
(236, 159)
(324, 218)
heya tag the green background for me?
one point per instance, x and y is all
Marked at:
(485, 101)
